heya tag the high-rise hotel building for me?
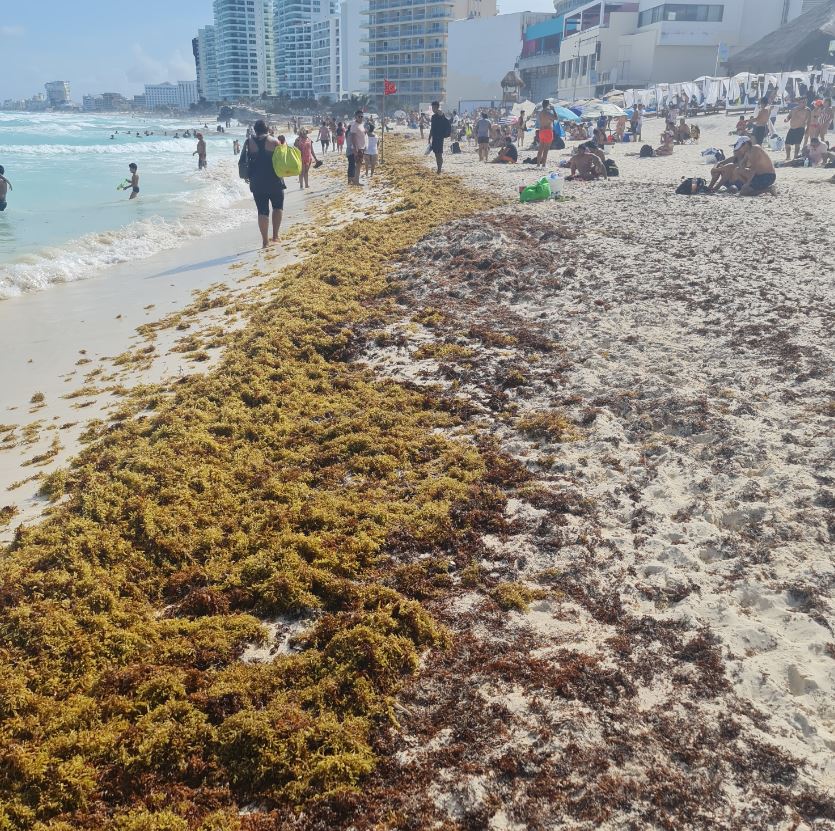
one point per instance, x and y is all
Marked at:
(244, 49)
(407, 44)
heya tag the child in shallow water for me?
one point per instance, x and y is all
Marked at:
(134, 180)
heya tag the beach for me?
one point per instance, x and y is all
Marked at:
(519, 515)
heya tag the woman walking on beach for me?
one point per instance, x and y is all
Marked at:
(305, 145)
(340, 137)
(266, 187)
(324, 137)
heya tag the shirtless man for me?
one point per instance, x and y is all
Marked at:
(5, 187)
(759, 126)
(586, 165)
(200, 152)
(134, 181)
(547, 117)
(798, 120)
(682, 131)
(755, 169)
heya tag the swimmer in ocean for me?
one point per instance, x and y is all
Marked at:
(5, 187)
(134, 180)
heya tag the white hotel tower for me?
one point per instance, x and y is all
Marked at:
(245, 48)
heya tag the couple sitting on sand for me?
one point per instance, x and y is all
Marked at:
(748, 171)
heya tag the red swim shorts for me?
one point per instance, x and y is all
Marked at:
(546, 137)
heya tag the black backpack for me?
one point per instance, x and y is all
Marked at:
(243, 164)
(646, 151)
(455, 147)
(612, 168)
(690, 186)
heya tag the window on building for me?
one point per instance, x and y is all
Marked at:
(686, 12)
(584, 65)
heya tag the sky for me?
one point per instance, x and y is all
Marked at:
(103, 46)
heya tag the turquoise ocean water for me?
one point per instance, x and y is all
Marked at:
(65, 219)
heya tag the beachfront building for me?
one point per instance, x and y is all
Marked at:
(408, 45)
(472, 83)
(244, 49)
(606, 44)
(206, 64)
(294, 21)
(539, 61)
(161, 96)
(327, 58)
(353, 51)
(186, 94)
(57, 93)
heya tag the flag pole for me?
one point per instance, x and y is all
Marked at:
(383, 126)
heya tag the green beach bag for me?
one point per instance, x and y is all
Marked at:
(287, 161)
(536, 193)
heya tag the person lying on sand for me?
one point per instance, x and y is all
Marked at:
(586, 165)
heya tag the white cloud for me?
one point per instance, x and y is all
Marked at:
(147, 69)
(12, 31)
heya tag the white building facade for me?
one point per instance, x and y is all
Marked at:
(327, 58)
(186, 94)
(294, 21)
(622, 44)
(244, 49)
(482, 50)
(354, 51)
(158, 96)
(207, 85)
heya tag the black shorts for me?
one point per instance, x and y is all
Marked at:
(262, 201)
(763, 181)
(795, 135)
(759, 131)
(437, 146)
(484, 141)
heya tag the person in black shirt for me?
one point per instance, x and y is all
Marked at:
(266, 187)
(508, 154)
(438, 131)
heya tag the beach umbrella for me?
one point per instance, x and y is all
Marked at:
(399, 114)
(607, 109)
(564, 114)
(614, 95)
(527, 106)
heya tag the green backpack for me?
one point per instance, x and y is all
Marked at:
(536, 193)
(287, 161)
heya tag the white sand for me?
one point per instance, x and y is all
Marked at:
(47, 333)
(699, 332)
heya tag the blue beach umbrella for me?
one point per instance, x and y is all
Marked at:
(564, 114)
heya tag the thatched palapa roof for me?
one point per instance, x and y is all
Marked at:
(803, 40)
